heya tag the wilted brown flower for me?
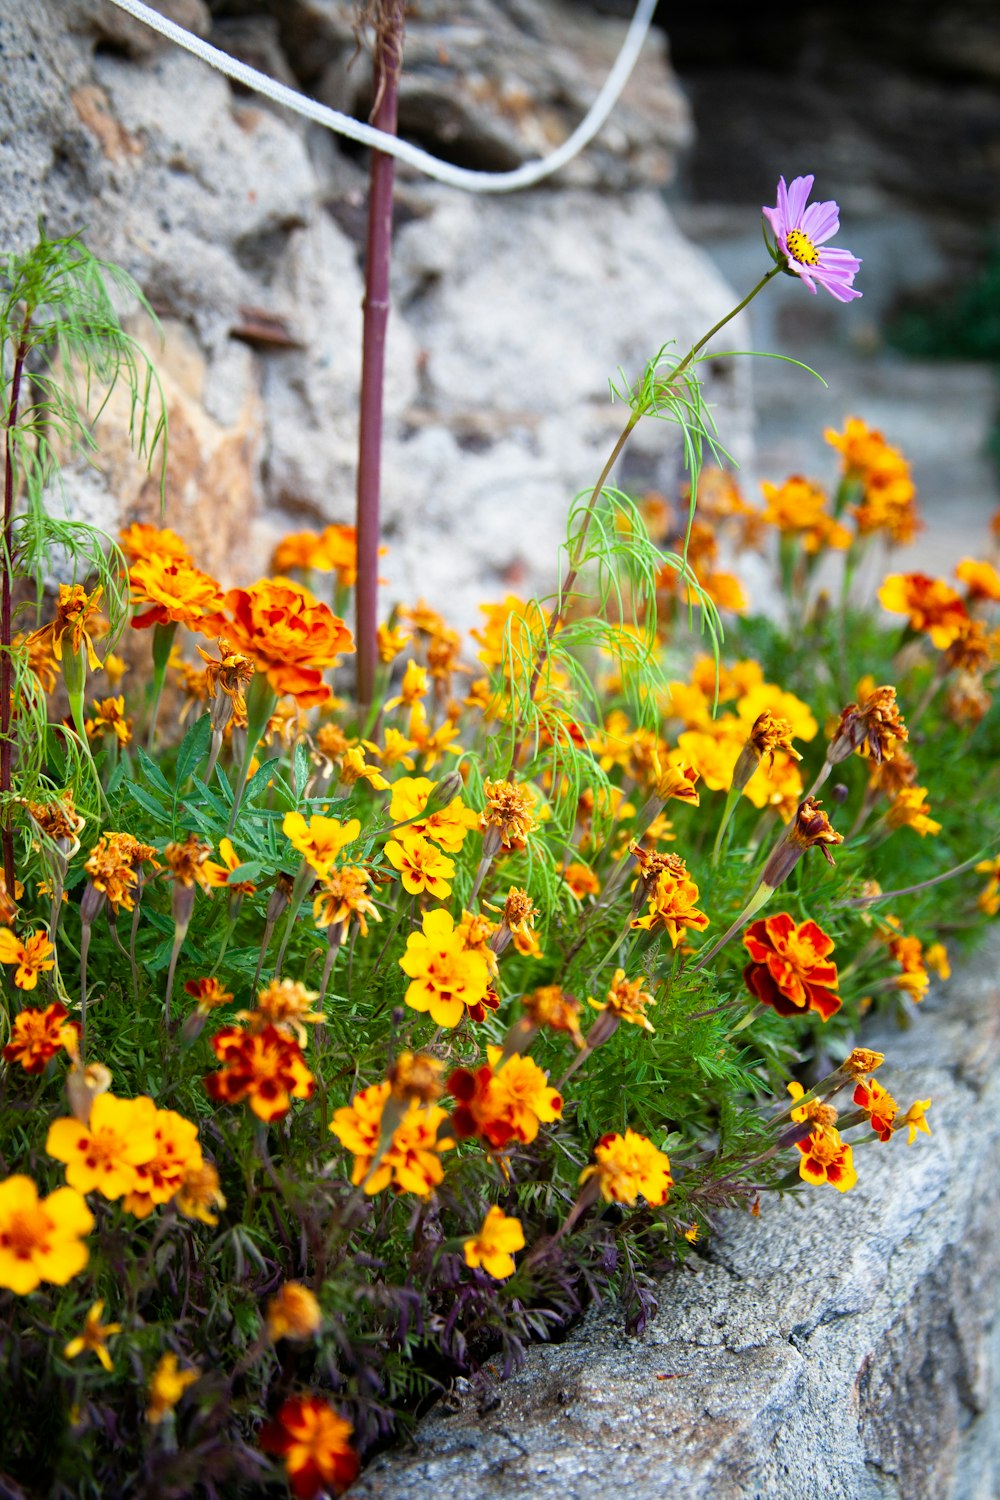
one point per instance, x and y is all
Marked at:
(874, 729)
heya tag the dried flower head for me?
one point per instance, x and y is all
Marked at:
(862, 1060)
(415, 1077)
(508, 817)
(874, 729)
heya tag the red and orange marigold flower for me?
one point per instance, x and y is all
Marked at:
(315, 1445)
(264, 1067)
(790, 968)
(826, 1158)
(37, 1035)
(405, 1155)
(629, 1165)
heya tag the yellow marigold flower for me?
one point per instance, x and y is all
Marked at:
(446, 977)
(671, 905)
(293, 1313)
(160, 1178)
(392, 640)
(397, 750)
(345, 894)
(265, 1067)
(910, 810)
(40, 1238)
(550, 1006)
(289, 635)
(797, 505)
(141, 540)
(980, 578)
(77, 618)
(284, 1004)
(422, 866)
(166, 1387)
(410, 1160)
(40, 659)
(581, 880)
(478, 935)
(313, 1441)
(712, 756)
(106, 1154)
(492, 1247)
(936, 958)
(177, 592)
(915, 1119)
(677, 780)
(801, 721)
(413, 687)
(93, 1339)
(32, 956)
(320, 840)
(431, 745)
(988, 899)
(629, 1165)
(354, 768)
(508, 817)
(826, 1158)
(447, 826)
(930, 604)
(109, 718)
(199, 1192)
(113, 873)
(627, 1001)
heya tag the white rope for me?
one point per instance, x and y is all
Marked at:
(458, 177)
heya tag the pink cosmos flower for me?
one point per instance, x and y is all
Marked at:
(800, 233)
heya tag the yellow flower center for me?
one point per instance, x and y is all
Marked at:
(26, 1231)
(801, 248)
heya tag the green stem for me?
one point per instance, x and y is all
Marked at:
(261, 699)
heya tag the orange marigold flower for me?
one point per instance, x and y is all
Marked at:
(581, 881)
(629, 1165)
(94, 1337)
(292, 1313)
(40, 1238)
(415, 1077)
(291, 637)
(77, 619)
(37, 1035)
(391, 642)
(284, 1004)
(930, 603)
(445, 976)
(492, 1247)
(209, 993)
(789, 970)
(106, 1154)
(671, 903)
(320, 840)
(178, 593)
(314, 1442)
(798, 507)
(199, 1192)
(874, 728)
(550, 1006)
(878, 1104)
(862, 1060)
(265, 1067)
(421, 865)
(32, 956)
(166, 1387)
(988, 899)
(408, 1157)
(345, 894)
(189, 864)
(508, 817)
(910, 810)
(627, 1001)
(159, 1179)
(915, 1119)
(826, 1158)
(141, 540)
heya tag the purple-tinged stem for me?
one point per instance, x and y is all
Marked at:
(6, 602)
(388, 61)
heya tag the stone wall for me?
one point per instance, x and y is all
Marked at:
(836, 1348)
(243, 228)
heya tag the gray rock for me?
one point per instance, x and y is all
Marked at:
(840, 1347)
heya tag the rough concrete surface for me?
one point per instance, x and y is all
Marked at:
(840, 1346)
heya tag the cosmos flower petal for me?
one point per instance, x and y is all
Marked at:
(821, 221)
(797, 198)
